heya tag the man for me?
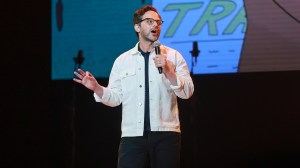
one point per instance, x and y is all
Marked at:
(150, 119)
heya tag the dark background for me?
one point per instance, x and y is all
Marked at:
(233, 120)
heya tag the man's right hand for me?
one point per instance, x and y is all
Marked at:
(86, 79)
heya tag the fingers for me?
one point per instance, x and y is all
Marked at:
(81, 72)
(77, 80)
(88, 74)
(80, 76)
(159, 61)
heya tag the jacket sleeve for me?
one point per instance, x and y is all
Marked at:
(185, 87)
(112, 94)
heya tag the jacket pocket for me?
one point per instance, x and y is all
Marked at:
(127, 73)
(128, 80)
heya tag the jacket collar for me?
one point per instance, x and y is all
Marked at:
(134, 50)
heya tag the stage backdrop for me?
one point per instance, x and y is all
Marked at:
(214, 36)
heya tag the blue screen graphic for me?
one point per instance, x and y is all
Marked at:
(217, 27)
(103, 30)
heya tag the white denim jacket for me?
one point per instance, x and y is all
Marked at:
(126, 86)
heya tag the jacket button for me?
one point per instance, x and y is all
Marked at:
(140, 86)
(140, 104)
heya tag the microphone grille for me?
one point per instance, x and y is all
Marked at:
(156, 43)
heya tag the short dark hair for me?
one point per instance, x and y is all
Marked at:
(138, 14)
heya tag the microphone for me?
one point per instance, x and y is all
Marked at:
(157, 51)
(79, 59)
(195, 53)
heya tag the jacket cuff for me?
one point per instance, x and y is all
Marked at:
(178, 84)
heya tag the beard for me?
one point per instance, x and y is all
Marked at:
(149, 36)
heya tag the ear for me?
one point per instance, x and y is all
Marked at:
(137, 28)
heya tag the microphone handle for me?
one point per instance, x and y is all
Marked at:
(157, 51)
(159, 70)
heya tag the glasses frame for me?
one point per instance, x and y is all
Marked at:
(158, 22)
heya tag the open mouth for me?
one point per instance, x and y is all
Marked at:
(154, 32)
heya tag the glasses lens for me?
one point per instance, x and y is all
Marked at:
(151, 21)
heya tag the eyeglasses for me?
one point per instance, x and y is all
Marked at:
(151, 21)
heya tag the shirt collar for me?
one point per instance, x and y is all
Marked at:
(135, 49)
